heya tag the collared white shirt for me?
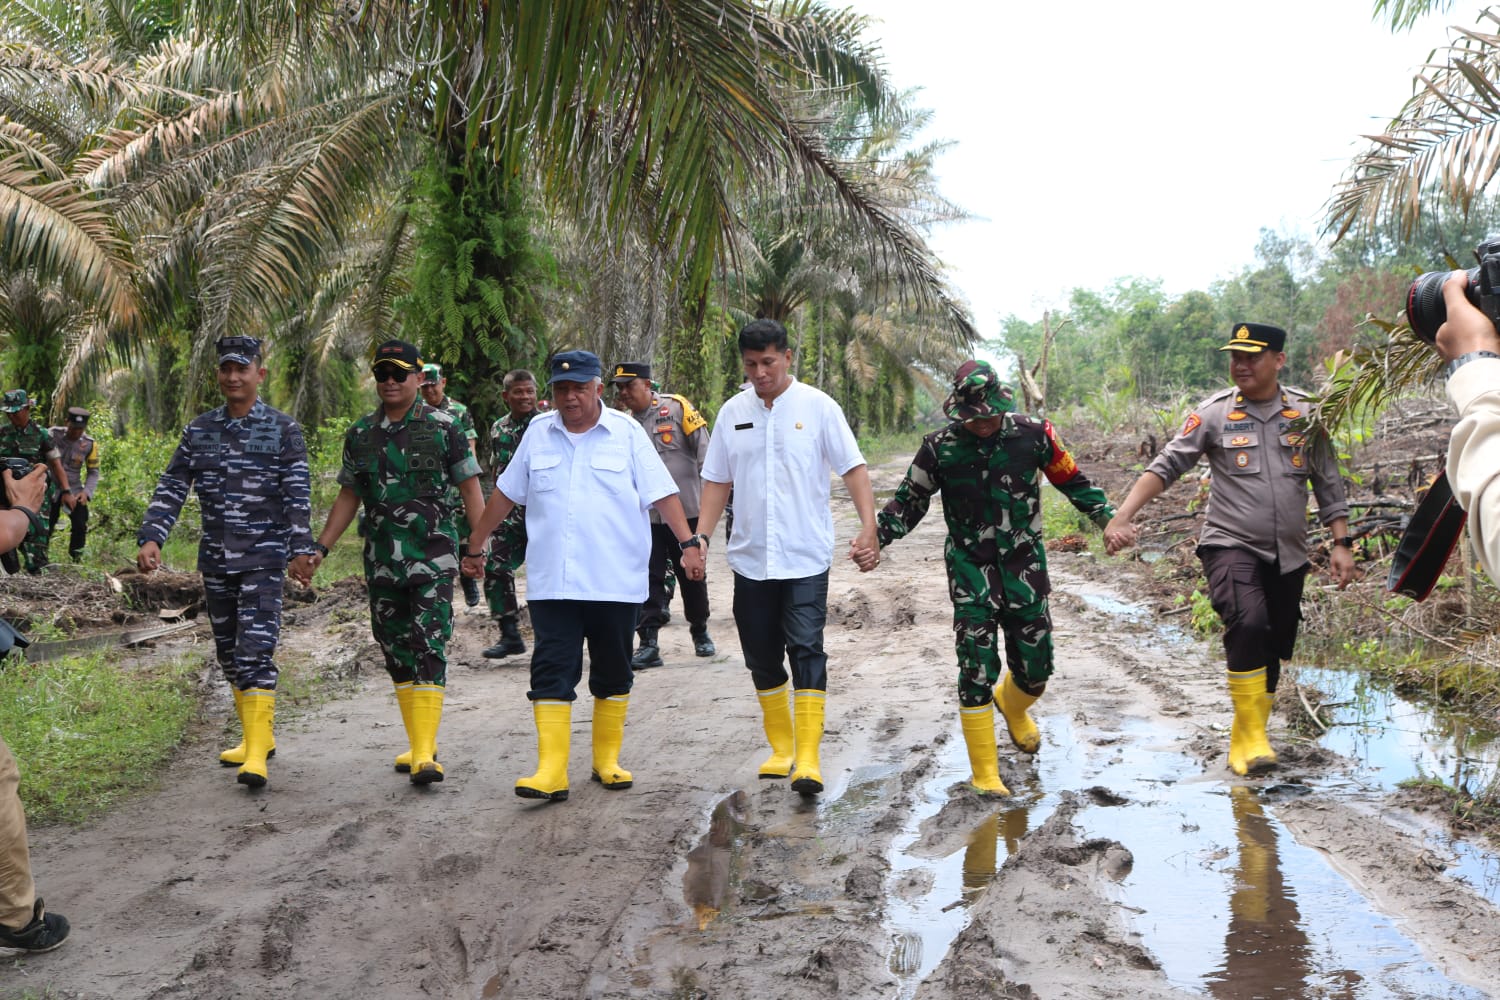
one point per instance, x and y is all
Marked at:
(778, 459)
(588, 536)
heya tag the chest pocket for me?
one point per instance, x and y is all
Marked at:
(424, 459)
(545, 474)
(263, 439)
(611, 469)
(1294, 453)
(1243, 452)
(205, 450)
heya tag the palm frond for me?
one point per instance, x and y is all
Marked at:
(1445, 139)
(66, 233)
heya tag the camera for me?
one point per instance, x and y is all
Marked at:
(19, 468)
(1425, 309)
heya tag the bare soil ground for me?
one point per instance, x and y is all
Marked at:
(341, 879)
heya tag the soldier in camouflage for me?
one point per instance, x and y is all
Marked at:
(434, 390)
(24, 438)
(508, 544)
(248, 463)
(988, 466)
(400, 462)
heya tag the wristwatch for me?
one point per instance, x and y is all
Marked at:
(1345, 542)
(322, 549)
(692, 543)
(1464, 359)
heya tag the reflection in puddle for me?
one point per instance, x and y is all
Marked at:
(710, 865)
(1228, 901)
(1396, 740)
(1399, 740)
(1265, 946)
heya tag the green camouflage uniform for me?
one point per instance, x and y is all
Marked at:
(33, 443)
(509, 548)
(402, 472)
(460, 414)
(997, 563)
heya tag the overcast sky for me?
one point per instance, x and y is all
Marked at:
(1098, 140)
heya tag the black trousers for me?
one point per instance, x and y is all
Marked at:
(665, 552)
(562, 628)
(79, 515)
(1261, 608)
(780, 622)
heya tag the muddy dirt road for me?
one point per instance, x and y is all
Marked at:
(1128, 863)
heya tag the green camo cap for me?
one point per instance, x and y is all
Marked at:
(14, 401)
(978, 392)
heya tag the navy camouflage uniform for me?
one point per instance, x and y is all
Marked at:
(994, 552)
(254, 495)
(402, 471)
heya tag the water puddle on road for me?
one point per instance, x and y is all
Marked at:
(1395, 740)
(1228, 901)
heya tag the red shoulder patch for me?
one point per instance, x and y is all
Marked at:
(1192, 423)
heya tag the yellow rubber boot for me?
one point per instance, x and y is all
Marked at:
(609, 733)
(1249, 748)
(1013, 703)
(554, 722)
(807, 720)
(776, 715)
(235, 756)
(984, 760)
(403, 702)
(426, 715)
(257, 715)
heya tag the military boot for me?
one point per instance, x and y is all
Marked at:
(702, 644)
(471, 590)
(649, 654)
(510, 644)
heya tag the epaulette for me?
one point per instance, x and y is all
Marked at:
(691, 418)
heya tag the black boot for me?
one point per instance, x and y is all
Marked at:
(471, 590)
(510, 643)
(648, 655)
(702, 644)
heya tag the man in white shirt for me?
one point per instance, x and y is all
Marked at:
(774, 444)
(586, 475)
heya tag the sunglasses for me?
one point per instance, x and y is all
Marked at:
(390, 374)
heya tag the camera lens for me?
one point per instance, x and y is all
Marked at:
(1425, 308)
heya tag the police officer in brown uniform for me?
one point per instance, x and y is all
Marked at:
(80, 460)
(1254, 541)
(680, 434)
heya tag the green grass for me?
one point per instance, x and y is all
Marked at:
(87, 732)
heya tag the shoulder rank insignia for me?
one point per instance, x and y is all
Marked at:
(1236, 415)
(1239, 441)
(1290, 413)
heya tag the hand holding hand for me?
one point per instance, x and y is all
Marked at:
(304, 566)
(1119, 535)
(693, 561)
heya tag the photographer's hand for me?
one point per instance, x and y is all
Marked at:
(28, 491)
(1466, 329)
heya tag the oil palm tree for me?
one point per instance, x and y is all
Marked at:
(247, 149)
